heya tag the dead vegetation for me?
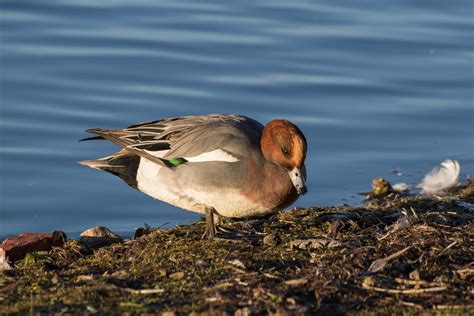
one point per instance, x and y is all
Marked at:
(394, 255)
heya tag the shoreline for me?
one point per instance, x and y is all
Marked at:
(395, 254)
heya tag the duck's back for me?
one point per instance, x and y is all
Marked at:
(190, 162)
(211, 168)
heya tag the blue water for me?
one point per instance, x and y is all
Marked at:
(374, 85)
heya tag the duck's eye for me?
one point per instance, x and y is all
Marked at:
(284, 150)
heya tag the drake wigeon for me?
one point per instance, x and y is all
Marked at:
(217, 165)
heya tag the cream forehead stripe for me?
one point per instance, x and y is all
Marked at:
(215, 155)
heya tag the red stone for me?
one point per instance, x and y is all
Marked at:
(15, 248)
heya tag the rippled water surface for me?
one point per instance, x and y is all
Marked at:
(375, 86)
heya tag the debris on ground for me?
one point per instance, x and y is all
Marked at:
(394, 255)
(380, 188)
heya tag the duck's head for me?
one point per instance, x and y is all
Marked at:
(284, 144)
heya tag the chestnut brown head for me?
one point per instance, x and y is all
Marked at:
(284, 144)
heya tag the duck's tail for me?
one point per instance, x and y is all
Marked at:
(97, 164)
(122, 164)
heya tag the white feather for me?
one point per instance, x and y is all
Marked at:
(401, 187)
(441, 178)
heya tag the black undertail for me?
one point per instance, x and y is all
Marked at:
(125, 167)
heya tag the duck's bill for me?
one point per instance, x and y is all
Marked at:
(298, 181)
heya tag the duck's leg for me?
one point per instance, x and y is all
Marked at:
(217, 219)
(214, 226)
(210, 231)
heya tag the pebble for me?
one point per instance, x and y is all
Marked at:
(177, 275)
(99, 236)
(296, 282)
(269, 240)
(4, 265)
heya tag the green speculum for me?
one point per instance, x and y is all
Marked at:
(176, 161)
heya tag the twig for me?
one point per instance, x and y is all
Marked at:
(271, 276)
(453, 306)
(464, 271)
(379, 264)
(411, 304)
(143, 291)
(414, 282)
(235, 269)
(397, 254)
(110, 286)
(449, 246)
(406, 291)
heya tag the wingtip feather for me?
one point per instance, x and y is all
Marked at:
(97, 131)
(95, 164)
(92, 138)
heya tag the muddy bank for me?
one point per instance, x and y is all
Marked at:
(395, 254)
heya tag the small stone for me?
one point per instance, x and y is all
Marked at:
(368, 282)
(203, 263)
(99, 237)
(414, 275)
(91, 309)
(15, 248)
(269, 240)
(84, 278)
(177, 275)
(142, 231)
(296, 282)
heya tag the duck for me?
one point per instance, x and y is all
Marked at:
(219, 165)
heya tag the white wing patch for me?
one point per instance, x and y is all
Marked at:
(215, 155)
